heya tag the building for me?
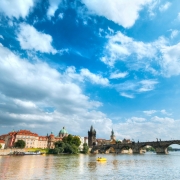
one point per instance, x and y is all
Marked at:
(91, 137)
(2, 143)
(93, 141)
(63, 133)
(32, 140)
(83, 140)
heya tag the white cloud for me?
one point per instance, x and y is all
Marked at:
(164, 7)
(96, 79)
(25, 104)
(138, 55)
(28, 90)
(170, 61)
(139, 128)
(147, 85)
(122, 12)
(61, 15)
(127, 95)
(85, 75)
(135, 87)
(151, 8)
(17, 8)
(163, 111)
(163, 120)
(174, 33)
(1, 37)
(150, 112)
(119, 47)
(53, 6)
(118, 75)
(31, 39)
(136, 119)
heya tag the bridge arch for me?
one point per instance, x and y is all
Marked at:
(146, 147)
(125, 149)
(173, 147)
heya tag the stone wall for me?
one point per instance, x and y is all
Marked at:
(4, 152)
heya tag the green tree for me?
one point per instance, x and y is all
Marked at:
(76, 141)
(74, 149)
(68, 148)
(0, 146)
(85, 148)
(20, 144)
(69, 144)
(150, 149)
(59, 144)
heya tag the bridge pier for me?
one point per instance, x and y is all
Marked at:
(161, 150)
(135, 150)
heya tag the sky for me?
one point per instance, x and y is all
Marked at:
(112, 64)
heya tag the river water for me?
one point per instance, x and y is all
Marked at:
(66, 167)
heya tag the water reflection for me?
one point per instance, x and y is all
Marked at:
(147, 166)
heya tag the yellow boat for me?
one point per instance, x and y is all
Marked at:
(101, 159)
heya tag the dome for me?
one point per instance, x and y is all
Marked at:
(63, 131)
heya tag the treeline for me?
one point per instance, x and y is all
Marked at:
(70, 145)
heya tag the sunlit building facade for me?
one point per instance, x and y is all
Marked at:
(32, 140)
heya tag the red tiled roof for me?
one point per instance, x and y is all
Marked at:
(2, 141)
(44, 138)
(26, 132)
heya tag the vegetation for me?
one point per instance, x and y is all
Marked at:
(43, 151)
(170, 148)
(69, 145)
(150, 149)
(0, 146)
(85, 148)
(118, 142)
(20, 144)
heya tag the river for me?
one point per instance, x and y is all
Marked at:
(79, 167)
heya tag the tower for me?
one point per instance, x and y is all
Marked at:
(91, 137)
(112, 135)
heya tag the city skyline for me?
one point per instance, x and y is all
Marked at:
(73, 64)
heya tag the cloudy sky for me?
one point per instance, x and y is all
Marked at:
(76, 63)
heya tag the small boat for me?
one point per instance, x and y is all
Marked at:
(101, 159)
(32, 153)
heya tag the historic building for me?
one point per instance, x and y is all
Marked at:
(83, 140)
(91, 137)
(92, 140)
(32, 140)
(2, 143)
(63, 133)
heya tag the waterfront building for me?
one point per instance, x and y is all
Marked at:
(32, 140)
(83, 140)
(92, 140)
(126, 141)
(2, 143)
(63, 133)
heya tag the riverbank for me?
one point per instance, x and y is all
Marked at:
(5, 152)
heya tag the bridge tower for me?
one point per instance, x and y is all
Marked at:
(91, 137)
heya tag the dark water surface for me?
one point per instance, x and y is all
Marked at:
(67, 167)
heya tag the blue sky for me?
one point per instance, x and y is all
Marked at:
(112, 64)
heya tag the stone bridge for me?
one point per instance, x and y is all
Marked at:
(136, 147)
